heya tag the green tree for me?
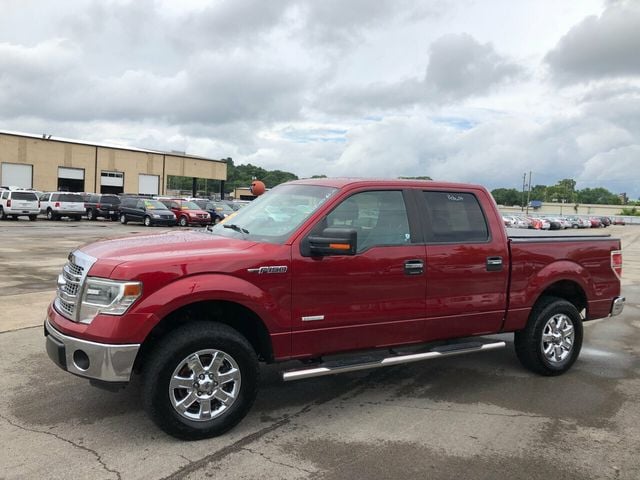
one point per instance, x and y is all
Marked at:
(539, 192)
(598, 195)
(507, 196)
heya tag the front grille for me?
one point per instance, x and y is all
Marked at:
(70, 283)
(166, 216)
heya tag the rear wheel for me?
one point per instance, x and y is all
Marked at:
(147, 221)
(551, 341)
(201, 381)
(123, 219)
(33, 218)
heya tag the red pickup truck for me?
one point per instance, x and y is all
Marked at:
(341, 274)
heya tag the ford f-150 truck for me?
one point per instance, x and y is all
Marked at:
(340, 274)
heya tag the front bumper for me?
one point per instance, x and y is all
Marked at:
(97, 361)
(617, 306)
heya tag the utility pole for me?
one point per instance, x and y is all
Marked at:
(524, 179)
(528, 192)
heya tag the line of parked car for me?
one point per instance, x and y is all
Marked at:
(167, 211)
(559, 223)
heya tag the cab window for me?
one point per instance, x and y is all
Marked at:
(454, 217)
(379, 218)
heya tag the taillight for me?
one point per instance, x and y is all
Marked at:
(57, 204)
(9, 203)
(616, 263)
(98, 206)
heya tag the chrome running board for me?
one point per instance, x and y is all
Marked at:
(333, 368)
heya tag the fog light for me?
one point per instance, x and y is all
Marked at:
(81, 360)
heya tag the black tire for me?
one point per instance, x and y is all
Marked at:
(529, 343)
(147, 221)
(51, 215)
(33, 218)
(91, 215)
(183, 221)
(171, 353)
(3, 216)
(77, 218)
(123, 219)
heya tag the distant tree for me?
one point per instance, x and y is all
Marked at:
(598, 196)
(507, 196)
(318, 176)
(539, 192)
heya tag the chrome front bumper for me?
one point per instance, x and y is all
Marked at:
(98, 361)
(617, 306)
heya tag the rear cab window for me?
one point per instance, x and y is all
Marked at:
(25, 196)
(454, 217)
(70, 197)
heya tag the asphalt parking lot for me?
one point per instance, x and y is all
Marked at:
(479, 416)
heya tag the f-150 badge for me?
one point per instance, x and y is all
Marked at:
(270, 269)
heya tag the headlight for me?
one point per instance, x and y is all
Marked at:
(155, 215)
(109, 297)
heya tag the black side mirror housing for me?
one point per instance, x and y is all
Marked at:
(332, 241)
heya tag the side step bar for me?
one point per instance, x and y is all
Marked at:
(332, 368)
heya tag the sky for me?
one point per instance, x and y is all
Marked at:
(459, 90)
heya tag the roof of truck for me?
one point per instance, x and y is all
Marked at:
(381, 182)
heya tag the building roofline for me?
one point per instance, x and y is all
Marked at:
(50, 138)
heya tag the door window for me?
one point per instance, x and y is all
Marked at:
(379, 218)
(455, 218)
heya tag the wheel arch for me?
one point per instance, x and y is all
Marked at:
(239, 317)
(568, 290)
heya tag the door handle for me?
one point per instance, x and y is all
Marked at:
(494, 264)
(414, 267)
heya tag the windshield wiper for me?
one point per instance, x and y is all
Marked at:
(235, 227)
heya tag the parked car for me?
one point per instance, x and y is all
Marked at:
(619, 221)
(18, 203)
(554, 223)
(187, 213)
(102, 205)
(540, 223)
(148, 211)
(56, 205)
(606, 221)
(595, 222)
(217, 210)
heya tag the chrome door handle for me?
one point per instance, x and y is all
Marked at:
(413, 267)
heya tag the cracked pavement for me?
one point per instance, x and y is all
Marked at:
(481, 415)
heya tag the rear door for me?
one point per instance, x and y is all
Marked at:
(467, 264)
(24, 201)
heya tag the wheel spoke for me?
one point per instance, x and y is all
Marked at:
(567, 331)
(205, 408)
(195, 364)
(560, 323)
(184, 404)
(567, 344)
(216, 362)
(181, 382)
(232, 375)
(558, 353)
(547, 337)
(224, 397)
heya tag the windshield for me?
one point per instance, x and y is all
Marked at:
(189, 206)
(154, 205)
(275, 215)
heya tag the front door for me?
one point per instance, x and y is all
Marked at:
(371, 299)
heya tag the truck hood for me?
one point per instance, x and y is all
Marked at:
(162, 246)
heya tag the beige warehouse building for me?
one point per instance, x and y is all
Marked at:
(48, 164)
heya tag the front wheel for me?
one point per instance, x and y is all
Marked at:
(147, 221)
(201, 381)
(123, 219)
(90, 214)
(51, 215)
(551, 341)
(33, 218)
(183, 222)
(3, 216)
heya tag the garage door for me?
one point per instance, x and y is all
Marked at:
(148, 184)
(17, 175)
(70, 179)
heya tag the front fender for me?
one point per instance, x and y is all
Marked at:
(211, 287)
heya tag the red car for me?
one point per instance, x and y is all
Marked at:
(316, 268)
(187, 213)
(595, 222)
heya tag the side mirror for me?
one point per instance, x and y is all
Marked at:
(332, 241)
